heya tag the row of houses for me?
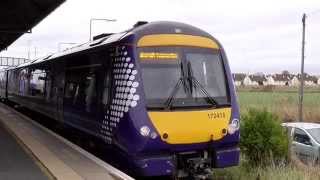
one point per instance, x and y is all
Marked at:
(241, 79)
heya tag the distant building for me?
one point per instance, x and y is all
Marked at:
(282, 79)
(308, 80)
(311, 81)
(247, 81)
(270, 80)
(255, 80)
(238, 79)
(295, 81)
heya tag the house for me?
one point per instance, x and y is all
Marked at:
(247, 81)
(311, 81)
(238, 79)
(270, 80)
(308, 80)
(295, 81)
(281, 79)
(255, 80)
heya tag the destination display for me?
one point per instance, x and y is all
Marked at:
(155, 56)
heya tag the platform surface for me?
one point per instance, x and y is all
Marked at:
(61, 158)
(15, 162)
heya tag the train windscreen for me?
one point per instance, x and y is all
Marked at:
(176, 77)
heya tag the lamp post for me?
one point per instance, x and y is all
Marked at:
(98, 19)
(64, 43)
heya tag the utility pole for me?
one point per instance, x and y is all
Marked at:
(304, 16)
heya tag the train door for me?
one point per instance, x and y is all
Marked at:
(58, 79)
(81, 97)
(82, 101)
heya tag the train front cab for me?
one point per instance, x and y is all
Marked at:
(191, 105)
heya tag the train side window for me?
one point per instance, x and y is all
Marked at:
(90, 92)
(48, 86)
(37, 82)
(72, 87)
(23, 82)
(2, 81)
(70, 90)
(10, 80)
(14, 81)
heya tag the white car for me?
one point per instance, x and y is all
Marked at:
(305, 140)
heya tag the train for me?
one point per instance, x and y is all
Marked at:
(160, 97)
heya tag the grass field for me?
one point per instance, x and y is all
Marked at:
(282, 103)
(293, 171)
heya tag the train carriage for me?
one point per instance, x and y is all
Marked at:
(160, 96)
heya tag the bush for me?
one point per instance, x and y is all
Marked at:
(263, 140)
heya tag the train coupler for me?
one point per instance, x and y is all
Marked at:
(199, 168)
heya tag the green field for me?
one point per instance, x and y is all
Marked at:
(293, 171)
(282, 103)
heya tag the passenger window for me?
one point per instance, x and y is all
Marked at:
(301, 137)
(90, 91)
(2, 80)
(23, 82)
(48, 86)
(37, 82)
(70, 89)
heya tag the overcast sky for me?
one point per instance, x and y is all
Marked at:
(258, 35)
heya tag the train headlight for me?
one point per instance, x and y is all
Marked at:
(145, 131)
(234, 126)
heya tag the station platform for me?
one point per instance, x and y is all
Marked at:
(31, 151)
(15, 162)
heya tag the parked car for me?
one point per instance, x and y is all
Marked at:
(305, 140)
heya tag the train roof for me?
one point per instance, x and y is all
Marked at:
(139, 30)
(168, 27)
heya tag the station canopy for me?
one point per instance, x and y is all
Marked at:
(20, 16)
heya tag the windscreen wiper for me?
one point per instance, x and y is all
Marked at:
(195, 83)
(174, 92)
(181, 80)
